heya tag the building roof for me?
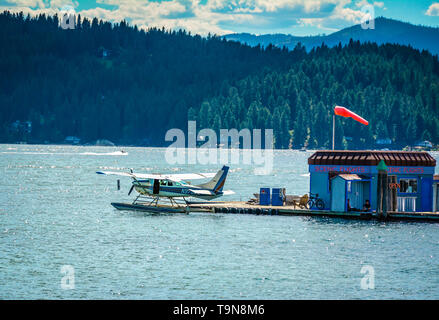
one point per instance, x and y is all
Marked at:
(372, 158)
(436, 177)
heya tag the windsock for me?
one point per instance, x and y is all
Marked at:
(342, 111)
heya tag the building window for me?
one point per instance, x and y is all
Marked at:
(407, 204)
(408, 185)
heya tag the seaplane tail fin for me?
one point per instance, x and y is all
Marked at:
(217, 182)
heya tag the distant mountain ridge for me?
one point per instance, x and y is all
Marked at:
(116, 82)
(386, 31)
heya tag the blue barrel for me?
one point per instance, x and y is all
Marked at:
(277, 197)
(264, 196)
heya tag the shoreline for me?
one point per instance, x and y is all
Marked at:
(152, 146)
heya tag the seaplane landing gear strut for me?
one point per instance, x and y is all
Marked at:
(154, 201)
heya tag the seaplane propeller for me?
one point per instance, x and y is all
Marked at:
(131, 189)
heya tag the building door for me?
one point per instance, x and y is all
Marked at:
(156, 187)
(426, 194)
(338, 195)
(356, 194)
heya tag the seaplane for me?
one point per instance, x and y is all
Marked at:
(175, 188)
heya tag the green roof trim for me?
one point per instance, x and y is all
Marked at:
(382, 166)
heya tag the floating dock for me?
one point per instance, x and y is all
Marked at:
(241, 207)
(392, 185)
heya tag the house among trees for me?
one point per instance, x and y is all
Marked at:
(104, 53)
(72, 140)
(21, 126)
(384, 141)
(423, 145)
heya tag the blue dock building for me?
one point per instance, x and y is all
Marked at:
(348, 180)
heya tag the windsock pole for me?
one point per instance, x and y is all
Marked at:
(333, 132)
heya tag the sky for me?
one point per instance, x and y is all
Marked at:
(296, 17)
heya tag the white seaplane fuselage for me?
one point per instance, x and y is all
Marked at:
(176, 185)
(173, 189)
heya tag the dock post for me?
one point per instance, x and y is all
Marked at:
(382, 190)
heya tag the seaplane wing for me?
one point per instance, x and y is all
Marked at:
(125, 174)
(174, 177)
(189, 176)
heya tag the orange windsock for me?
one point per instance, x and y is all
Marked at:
(342, 111)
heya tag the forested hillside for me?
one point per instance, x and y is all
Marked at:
(394, 87)
(116, 82)
(112, 81)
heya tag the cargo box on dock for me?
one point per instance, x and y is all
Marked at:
(264, 196)
(277, 196)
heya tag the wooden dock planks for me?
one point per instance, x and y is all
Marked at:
(240, 207)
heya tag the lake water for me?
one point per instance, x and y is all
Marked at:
(55, 211)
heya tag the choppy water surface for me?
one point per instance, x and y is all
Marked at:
(55, 211)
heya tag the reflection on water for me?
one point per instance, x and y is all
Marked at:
(55, 211)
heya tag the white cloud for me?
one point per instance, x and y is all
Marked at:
(267, 5)
(42, 4)
(135, 10)
(214, 16)
(433, 10)
(58, 4)
(27, 3)
(363, 3)
(169, 14)
(341, 17)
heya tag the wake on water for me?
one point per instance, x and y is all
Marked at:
(115, 153)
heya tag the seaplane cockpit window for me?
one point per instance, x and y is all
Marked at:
(163, 182)
(170, 183)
